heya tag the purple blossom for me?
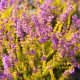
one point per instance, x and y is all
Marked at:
(75, 35)
(7, 75)
(7, 63)
(26, 52)
(63, 54)
(78, 66)
(74, 17)
(55, 39)
(72, 53)
(10, 51)
(2, 4)
(65, 73)
(47, 37)
(48, 2)
(23, 15)
(43, 58)
(72, 71)
(74, 62)
(8, 33)
(42, 40)
(53, 7)
(65, 14)
(62, 42)
(12, 2)
(6, 21)
(76, 48)
(13, 46)
(32, 52)
(78, 23)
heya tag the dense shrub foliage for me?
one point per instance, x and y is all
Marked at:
(39, 40)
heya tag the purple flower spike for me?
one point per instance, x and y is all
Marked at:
(55, 39)
(7, 62)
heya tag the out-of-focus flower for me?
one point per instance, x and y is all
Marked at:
(7, 63)
(32, 52)
(55, 39)
(72, 71)
(74, 17)
(63, 54)
(76, 48)
(78, 66)
(43, 58)
(72, 53)
(78, 23)
(26, 52)
(42, 40)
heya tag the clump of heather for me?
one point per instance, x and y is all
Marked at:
(39, 40)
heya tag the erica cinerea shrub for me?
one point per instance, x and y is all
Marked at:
(39, 40)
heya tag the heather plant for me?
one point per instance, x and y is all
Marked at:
(39, 40)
